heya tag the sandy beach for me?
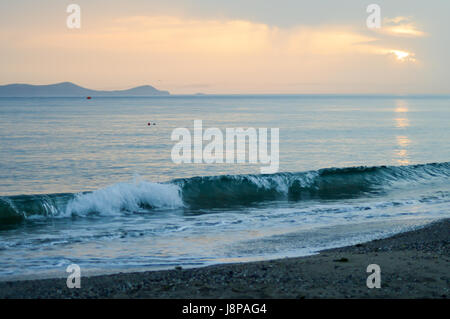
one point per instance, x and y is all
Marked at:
(414, 264)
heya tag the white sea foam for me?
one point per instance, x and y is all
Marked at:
(125, 197)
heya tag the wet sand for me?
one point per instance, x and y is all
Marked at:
(415, 264)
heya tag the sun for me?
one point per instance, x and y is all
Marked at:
(403, 56)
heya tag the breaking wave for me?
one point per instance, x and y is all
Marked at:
(219, 191)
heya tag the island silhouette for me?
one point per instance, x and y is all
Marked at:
(68, 89)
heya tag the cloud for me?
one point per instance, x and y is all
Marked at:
(235, 55)
(176, 35)
(401, 27)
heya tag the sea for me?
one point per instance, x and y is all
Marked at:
(90, 182)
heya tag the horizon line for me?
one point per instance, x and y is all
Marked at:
(199, 94)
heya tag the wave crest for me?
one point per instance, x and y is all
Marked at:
(129, 197)
(220, 191)
(327, 183)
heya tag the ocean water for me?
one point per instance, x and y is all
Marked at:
(89, 182)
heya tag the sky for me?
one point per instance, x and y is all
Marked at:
(230, 47)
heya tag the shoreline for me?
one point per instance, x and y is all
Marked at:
(414, 264)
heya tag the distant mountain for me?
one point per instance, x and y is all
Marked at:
(68, 89)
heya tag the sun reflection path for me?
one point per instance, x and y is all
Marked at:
(402, 141)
